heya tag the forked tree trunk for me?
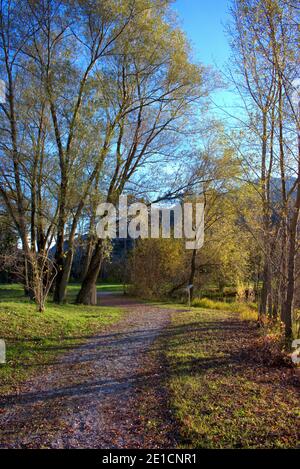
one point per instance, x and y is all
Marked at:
(62, 283)
(86, 294)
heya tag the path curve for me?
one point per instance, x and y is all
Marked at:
(92, 397)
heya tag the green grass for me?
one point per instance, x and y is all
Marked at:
(12, 292)
(218, 399)
(34, 339)
(15, 291)
(73, 289)
(115, 287)
(247, 311)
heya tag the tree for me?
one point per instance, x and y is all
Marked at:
(82, 79)
(264, 39)
(162, 87)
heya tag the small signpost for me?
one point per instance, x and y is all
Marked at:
(188, 289)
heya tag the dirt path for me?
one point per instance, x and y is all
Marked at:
(94, 396)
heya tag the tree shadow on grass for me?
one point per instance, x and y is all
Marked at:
(113, 347)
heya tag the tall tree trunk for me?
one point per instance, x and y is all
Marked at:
(86, 294)
(65, 275)
(284, 240)
(64, 261)
(28, 274)
(283, 268)
(292, 251)
(276, 302)
(59, 261)
(58, 296)
(265, 292)
(91, 237)
(289, 303)
(87, 257)
(266, 289)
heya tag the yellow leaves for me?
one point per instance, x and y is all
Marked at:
(180, 67)
(156, 264)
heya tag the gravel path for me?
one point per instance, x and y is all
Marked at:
(92, 397)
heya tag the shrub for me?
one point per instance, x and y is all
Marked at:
(156, 266)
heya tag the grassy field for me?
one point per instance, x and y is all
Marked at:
(220, 396)
(34, 339)
(245, 311)
(73, 289)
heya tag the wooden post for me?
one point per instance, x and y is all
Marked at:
(189, 287)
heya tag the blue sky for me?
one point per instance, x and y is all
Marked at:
(202, 21)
